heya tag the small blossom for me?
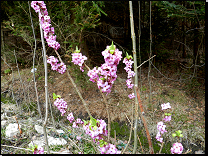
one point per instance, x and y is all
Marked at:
(165, 106)
(70, 117)
(177, 148)
(78, 137)
(131, 96)
(167, 118)
(158, 137)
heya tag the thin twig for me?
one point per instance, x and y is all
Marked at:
(78, 92)
(17, 147)
(161, 147)
(136, 73)
(36, 91)
(145, 61)
(46, 88)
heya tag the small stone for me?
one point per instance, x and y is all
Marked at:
(199, 152)
(12, 130)
(56, 141)
(3, 123)
(60, 131)
(39, 129)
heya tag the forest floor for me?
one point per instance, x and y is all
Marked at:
(186, 97)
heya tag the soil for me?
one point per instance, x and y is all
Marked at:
(188, 108)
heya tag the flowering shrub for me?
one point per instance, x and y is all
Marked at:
(177, 147)
(104, 76)
(96, 129)
(40, 7)
(128, 62)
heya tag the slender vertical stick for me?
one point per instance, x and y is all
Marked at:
(150, 56)
(140, 60)
(145, 123)
(136, 74)
(36, 91)
(46, 88)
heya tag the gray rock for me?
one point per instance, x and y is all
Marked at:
(12, 129)
(60, 131)
(40, 141)
(56, 141)
(199, 152)
(39, 129)
(3, 123)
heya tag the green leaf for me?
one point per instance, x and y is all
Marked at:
(181, 135)
(112, 48)
(85, 122)
(102, 78)
(174, 135)
(54, 96)
(77, 51)
(168, 114)
(93, 121)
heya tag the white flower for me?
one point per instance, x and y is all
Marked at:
(34, 69)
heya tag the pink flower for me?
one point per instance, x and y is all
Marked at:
(40, 7)
(158, 137)
(41, 150)
(167, 118)
(61, 68)
(78, 137)
(79, 121)
(70, 117)
(131, 96)
(128, 83)
(161, 127)
(165, 106)
(78, 59)
(177, 148)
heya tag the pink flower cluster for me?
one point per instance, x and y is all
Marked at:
(77, 122)
(78, 59)
(70, 117)
(167, 118)
(97, 133)
(160, 126)
(61, 67)
(40, 7)
(106, 74)
(177, 148)
(61, 105)
(40, 150)
(128, 63)
(109, 149)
